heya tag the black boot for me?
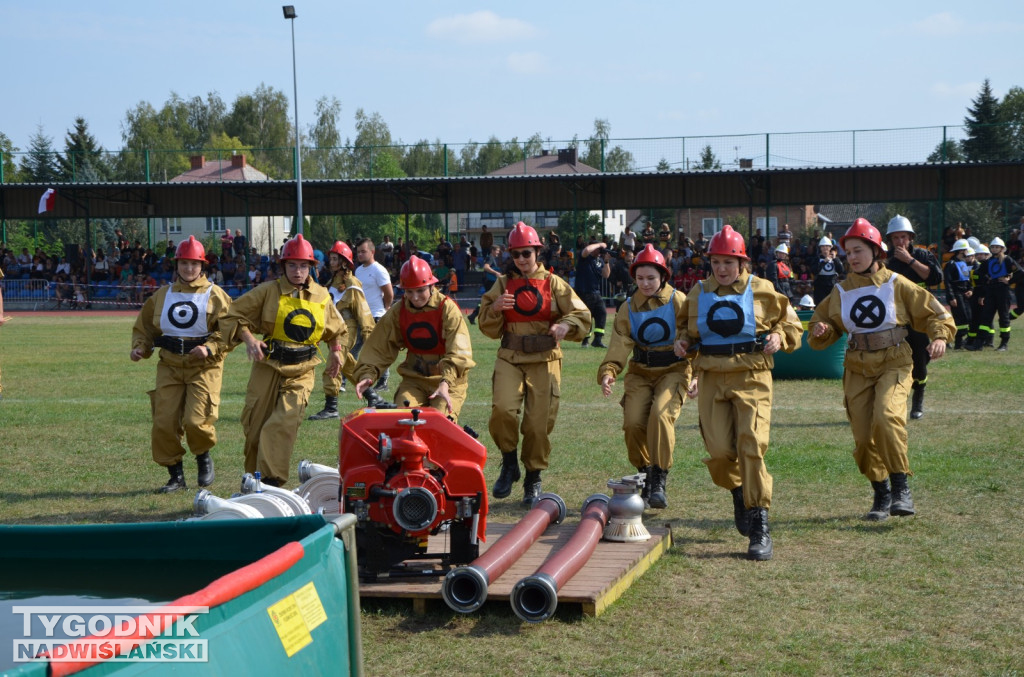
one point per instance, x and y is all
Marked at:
(760, 540)
(375, 401)
(508, 476)
(1004, 339)
(958, 344)
(883, 499)
(330, 409)
(739, 512)
(902, 503)
(531, 488)
(472, 316)
(658, 478)
(177, 481)
(597, 341)
(645, 492)
(973, 343)
(586, 342)
(917, 401)
(206, 474)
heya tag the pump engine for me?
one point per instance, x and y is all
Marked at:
(407, 474)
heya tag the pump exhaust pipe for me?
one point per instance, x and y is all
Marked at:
(535, 598)
(465, 587)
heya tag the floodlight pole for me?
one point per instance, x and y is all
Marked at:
(289, 13)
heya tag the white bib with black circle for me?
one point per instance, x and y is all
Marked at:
(184, 314)
(869, 309)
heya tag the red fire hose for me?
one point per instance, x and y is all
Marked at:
(535, 597)
(465, 588)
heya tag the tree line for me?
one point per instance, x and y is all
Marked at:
(157, 144)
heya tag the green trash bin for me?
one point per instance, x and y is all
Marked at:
(805, 362)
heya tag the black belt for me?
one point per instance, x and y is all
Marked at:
(732, 348)
(655, 358)
(177, 344)
(290, 355)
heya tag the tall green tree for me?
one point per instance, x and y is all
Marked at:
(152, 147)
(84, 160)
(599, 154)
(372, 143)
(708, 159)
(987, 139)
(7, 150)
(1012, 112)
(324, 157)
(40, 164)
(424, 159)
(947, 151)
(260, 120)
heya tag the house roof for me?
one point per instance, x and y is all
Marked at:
(235, 168)
(846, 214)
(563, 162)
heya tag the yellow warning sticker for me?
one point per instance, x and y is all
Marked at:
(309, 606)
(290, 626)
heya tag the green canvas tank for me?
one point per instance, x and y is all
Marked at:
(282, 595)
(805, 362)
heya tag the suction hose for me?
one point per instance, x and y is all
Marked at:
(535, 597)
(465, 587)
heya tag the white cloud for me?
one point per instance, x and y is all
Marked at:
(480, 27)
(526, 63)
(962, 90)
(942, 24)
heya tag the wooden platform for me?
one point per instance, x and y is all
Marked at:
(602, 580)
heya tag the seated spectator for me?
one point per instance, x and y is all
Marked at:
(100, 267)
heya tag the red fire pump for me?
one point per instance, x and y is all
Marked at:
(407, 474)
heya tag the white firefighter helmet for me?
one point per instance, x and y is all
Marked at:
(899, 224)
(968, 251)
(982, 249)
(974, 242)
(806, 301)
(783, 248)
(959, 245)
(997, 242)
(826, 242)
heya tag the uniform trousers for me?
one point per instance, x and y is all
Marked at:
(532, 389)
(185, 405)
(650, 409)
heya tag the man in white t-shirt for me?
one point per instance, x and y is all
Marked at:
(378, 291)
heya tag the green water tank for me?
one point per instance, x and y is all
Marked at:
(805, 362)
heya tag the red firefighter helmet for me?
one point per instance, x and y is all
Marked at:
(416, 273)
(190, 250)
(523, 236)
(863, 230)
(727, 242)
(344, 251)
(649, 257)
(297, 249)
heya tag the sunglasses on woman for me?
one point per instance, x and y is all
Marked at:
(521, 254)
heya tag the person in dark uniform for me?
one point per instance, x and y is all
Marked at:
(998, 271)
(957, 277)
(920, 267)
(591, 268)
(827, 269)
(979, 282)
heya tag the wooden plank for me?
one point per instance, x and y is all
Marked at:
(602, 580)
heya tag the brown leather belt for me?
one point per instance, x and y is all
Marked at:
(177, 344)
(528, 343)
(425, 368)
(877, 340)
(290, 355)
(655, 358)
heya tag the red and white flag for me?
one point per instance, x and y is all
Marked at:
(47, 200)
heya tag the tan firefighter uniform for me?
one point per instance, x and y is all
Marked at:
(656, 381)
(524, 380)
(291, 320)
(186, 399)
(438, 347)
(876, 383)
(735, 391)
(347, 292)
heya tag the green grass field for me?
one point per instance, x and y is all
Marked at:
(941, 593)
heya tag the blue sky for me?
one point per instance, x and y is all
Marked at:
(459, 71)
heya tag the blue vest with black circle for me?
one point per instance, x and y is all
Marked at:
(653, 328)
(726, 320)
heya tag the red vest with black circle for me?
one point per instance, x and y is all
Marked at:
(532, 300)
(423, 333)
